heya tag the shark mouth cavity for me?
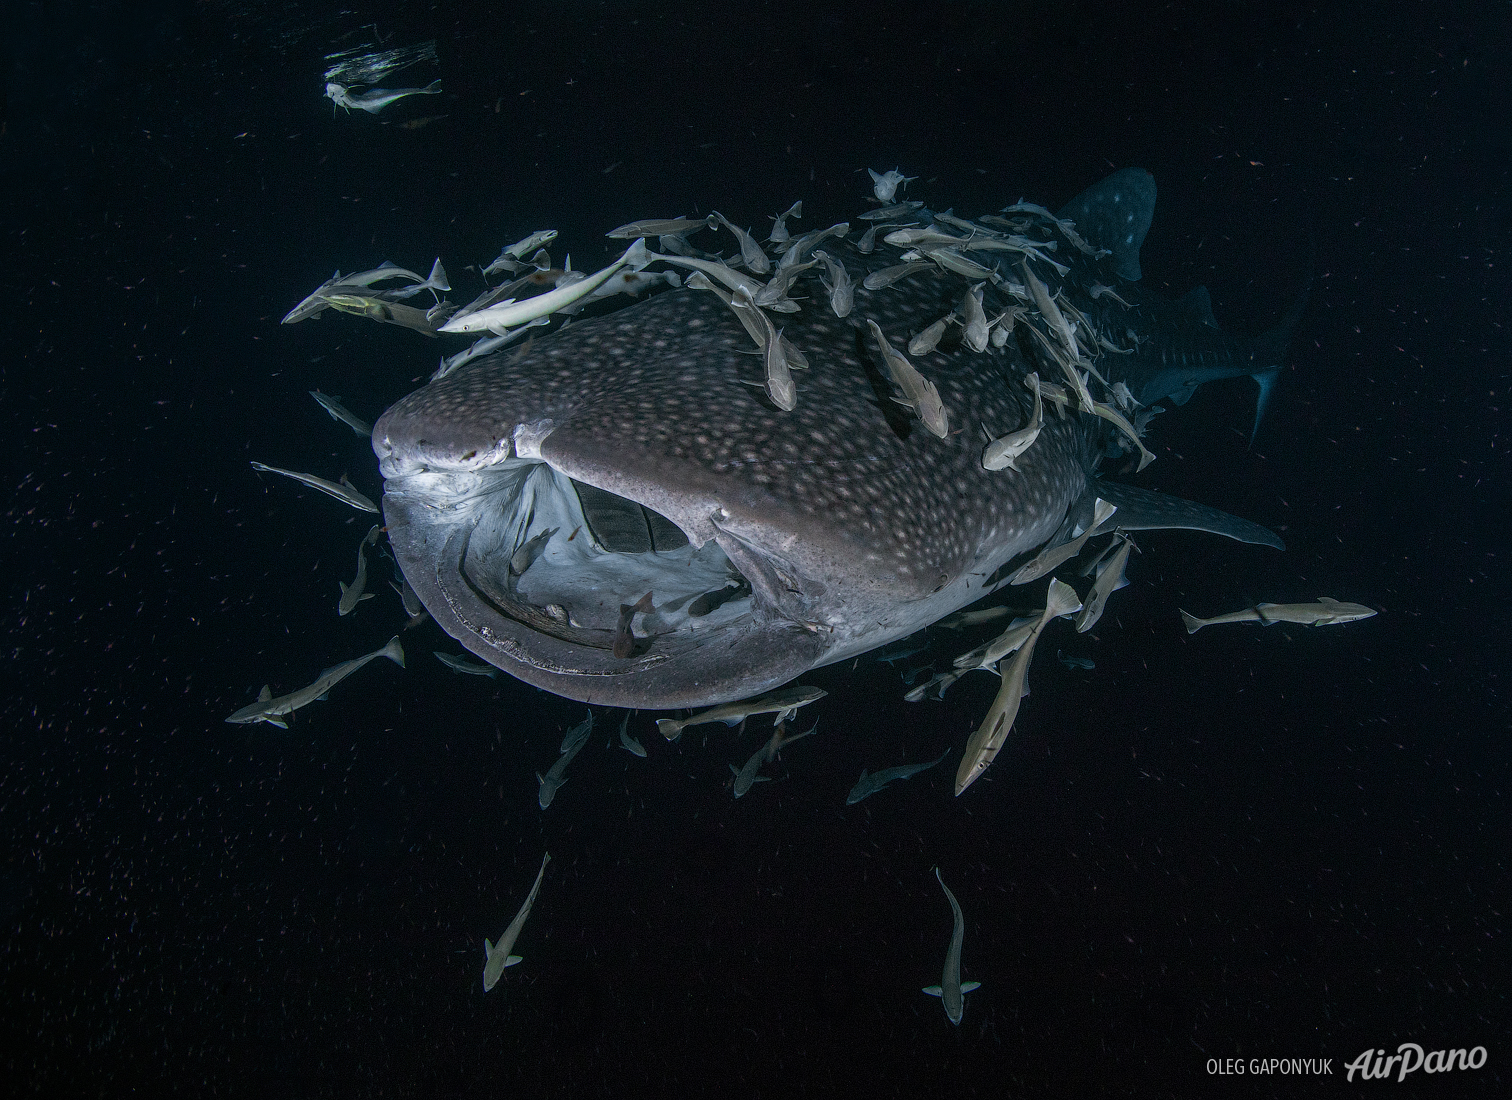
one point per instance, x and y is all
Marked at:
(547, 577)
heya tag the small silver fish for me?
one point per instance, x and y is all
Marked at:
(779, 234)
(1001, 453)
(628, 743)
(750, 252)
(464, 666)
(869, 785)
(837, 281)
(746, 777)
(624, 635)
(529, 550)
(344, 492)
(919, 393)
(376, 100)
(496, 956)
(885, 184)
(660, 227)
(272, 710)
(784, 702)
(381, 310)
(974, 319)
(927, 340)
(1326, 612)
(990, 736)
(340, 414)
(886, 276)
(884, 213)
(950, 990)
(353, 594)
(1051, 557)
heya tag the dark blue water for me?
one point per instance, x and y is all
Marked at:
(1248, 843)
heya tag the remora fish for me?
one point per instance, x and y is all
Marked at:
(919, 393)
(576, 737)
(985, 743)
(464, 666)
(1325, 612)
(381, 310)
(271, 710)
(496, 956)
(1110, 578)
(376, 100)
(851, 527)
(499, 319)
(340, 413)
(353, 594)
(870, 784)
(747, 775)
(342, 491)
(628, 743)
(783, 703)
(517, 251)
(552, 781)
(950, 990)
(885, 184)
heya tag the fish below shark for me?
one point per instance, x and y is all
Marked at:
(842, 524)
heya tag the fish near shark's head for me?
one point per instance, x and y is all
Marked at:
(772, 542)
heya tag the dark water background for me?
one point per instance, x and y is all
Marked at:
(1245, 843)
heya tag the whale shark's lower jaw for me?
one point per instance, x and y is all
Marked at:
(719, 629)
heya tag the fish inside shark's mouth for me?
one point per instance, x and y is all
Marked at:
(544, 575)
(565, 559)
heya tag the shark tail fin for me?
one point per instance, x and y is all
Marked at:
(1193, 623)
(1269, 352)
(669, 728)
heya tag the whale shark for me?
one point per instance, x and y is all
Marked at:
(643, 447)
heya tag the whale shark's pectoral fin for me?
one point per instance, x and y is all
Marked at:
(1143, 510)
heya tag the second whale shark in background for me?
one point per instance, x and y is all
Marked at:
(845, 524)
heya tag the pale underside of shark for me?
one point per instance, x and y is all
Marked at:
(773, 542)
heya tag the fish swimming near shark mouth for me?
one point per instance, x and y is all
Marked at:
(534, 498)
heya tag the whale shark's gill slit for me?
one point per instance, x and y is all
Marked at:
(622, 526)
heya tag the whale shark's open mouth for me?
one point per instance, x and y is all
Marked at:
(543, 574)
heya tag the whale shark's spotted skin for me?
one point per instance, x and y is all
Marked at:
(849, 522)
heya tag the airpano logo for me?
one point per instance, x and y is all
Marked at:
(1374, 1065)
